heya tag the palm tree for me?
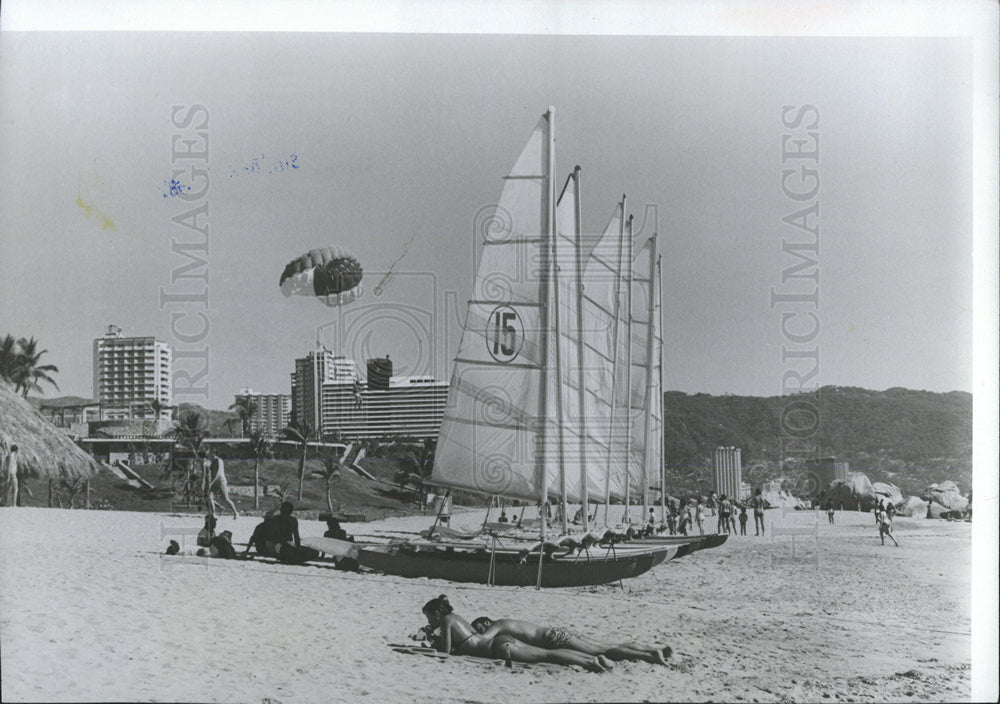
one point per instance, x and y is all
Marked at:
(20, 364)
(260, 446)
(190, 430)
(299, 432)
(246, 409)
(8, 357)
(331, 471)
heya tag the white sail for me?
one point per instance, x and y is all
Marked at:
(493, 429)
(645, 376)
(571, 475)
(604, 359)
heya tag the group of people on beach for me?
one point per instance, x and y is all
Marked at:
(513, 640)
(277, 536)
(692, 513)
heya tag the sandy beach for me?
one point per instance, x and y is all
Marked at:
(91, 611)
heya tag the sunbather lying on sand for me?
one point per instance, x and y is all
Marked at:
(555, 637)
(458, 637)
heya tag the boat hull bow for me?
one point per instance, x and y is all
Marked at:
(510, 567)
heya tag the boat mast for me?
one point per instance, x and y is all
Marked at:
(614, 358)
(628, 371)
(659, 389)
(543, 319)
(581, 392)
(557, 336)
(650, 345)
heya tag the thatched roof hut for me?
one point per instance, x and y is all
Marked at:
(44, 451)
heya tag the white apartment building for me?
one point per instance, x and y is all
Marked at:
(383, 405)
(130, 372)
(274, 411)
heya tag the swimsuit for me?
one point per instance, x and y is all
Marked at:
(557, 637)
(456, 647)
(496, 646)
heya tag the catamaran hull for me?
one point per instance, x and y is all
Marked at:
(687, 544)
(508, 568)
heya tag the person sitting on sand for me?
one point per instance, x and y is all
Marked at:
(552, 638)
(289, 545)
(206, 534)
(333, 530)
(286, 525)
(222, 546)
(458, 637)
(264, 538)
(217, 479)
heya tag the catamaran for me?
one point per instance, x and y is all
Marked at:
(515, 424)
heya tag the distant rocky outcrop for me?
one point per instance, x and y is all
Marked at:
(780, 498)
(888, 493)
(946, 495)
(914, 507)
(857, 490)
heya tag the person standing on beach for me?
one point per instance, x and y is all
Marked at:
(699, 517)
(829, 512)
(758, 513)
(10, 474)
(682, 527)
(217, 478)
(724, 508)
(885, 526)
(743, 520)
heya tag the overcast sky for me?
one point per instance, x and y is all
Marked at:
(398, 138)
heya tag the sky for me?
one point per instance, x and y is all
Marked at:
(391, 145)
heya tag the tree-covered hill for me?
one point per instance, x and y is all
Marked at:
(911, 438)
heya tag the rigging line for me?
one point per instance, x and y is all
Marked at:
(380, 286)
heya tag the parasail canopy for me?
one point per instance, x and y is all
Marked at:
(332, 275)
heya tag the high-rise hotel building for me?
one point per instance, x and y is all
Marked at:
(130, 372)
(382, 405)
(274, 411)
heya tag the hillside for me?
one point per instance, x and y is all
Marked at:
(910, 438)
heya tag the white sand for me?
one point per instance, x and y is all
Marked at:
(90, 611)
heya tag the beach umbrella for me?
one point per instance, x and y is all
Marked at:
(44, 451)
